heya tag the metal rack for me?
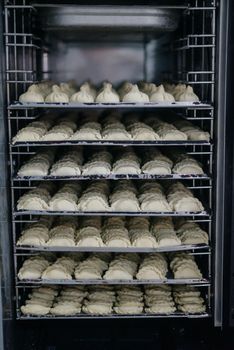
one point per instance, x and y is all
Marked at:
(179, 248)
(113, 177)
(113, 316)
(24, 65)
(195, 282)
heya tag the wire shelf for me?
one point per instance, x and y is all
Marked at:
(18, 105)
(22, 317)
(114, 177)
(183, 247)
(109, 213)
(110, 143)
(201, 282)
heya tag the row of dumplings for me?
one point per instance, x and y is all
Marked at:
(109, 128)
(99, 196)
(130, 93)
(116, 231)
(102, 162)
(104, 300)
(126, 267)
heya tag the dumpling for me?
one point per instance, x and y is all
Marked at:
(57, 95)
(178, 90)
(160, 95)
(89, 88)
(188, 95)
(135, 95)
(67, 89)
(33, 94)
(83, 96)
(107, 95)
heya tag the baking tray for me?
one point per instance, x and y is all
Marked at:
(95, 105)
(177, 314)
(182, 247)
(172, 281)
(110, 213)
(109, 143)
(113, 177)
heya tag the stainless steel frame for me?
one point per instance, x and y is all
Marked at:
(24, 57)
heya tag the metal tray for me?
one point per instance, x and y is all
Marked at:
(95, 105)
(177, 314)
(192, 281)
(113, 177)
(109, 213)
(109, 143)
(182, 247)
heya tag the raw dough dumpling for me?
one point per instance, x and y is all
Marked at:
(167, 132)
(129, 300)
(193, 235)
(121, 268)
(66, 168)
(95, 197)
(35, 199)
(62, 235)
(116, 131)
(89, 88)
(89, 237)
(186, 165)
(188, 299)
(97, 307)
(93, 201)
(98, 164)
(142, 132)
(166, 237)
(142, 238)
(68, 165)
(152, 198)
(135, 96)
(147, 88)
(66, 198)
(63, 268)
(34, 236)
(124, 89)
(124, 201)
(33, 132)
(129, 307)
(154, 266)
(91, 268)
(35, 309)
(178, 90)
(193, 132)
(181, 199)
(107, 95)
(116, 236)
(57, 96)
(39, 302)
(33, 94)
(156, 164)
(184, 265)
(88, 131)
(67, 89)
(58, 133)
(188, 95)
(127, 163)
(66, 308)
(32, 268)
(82, 96)
(38, 165)
(160, 95)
